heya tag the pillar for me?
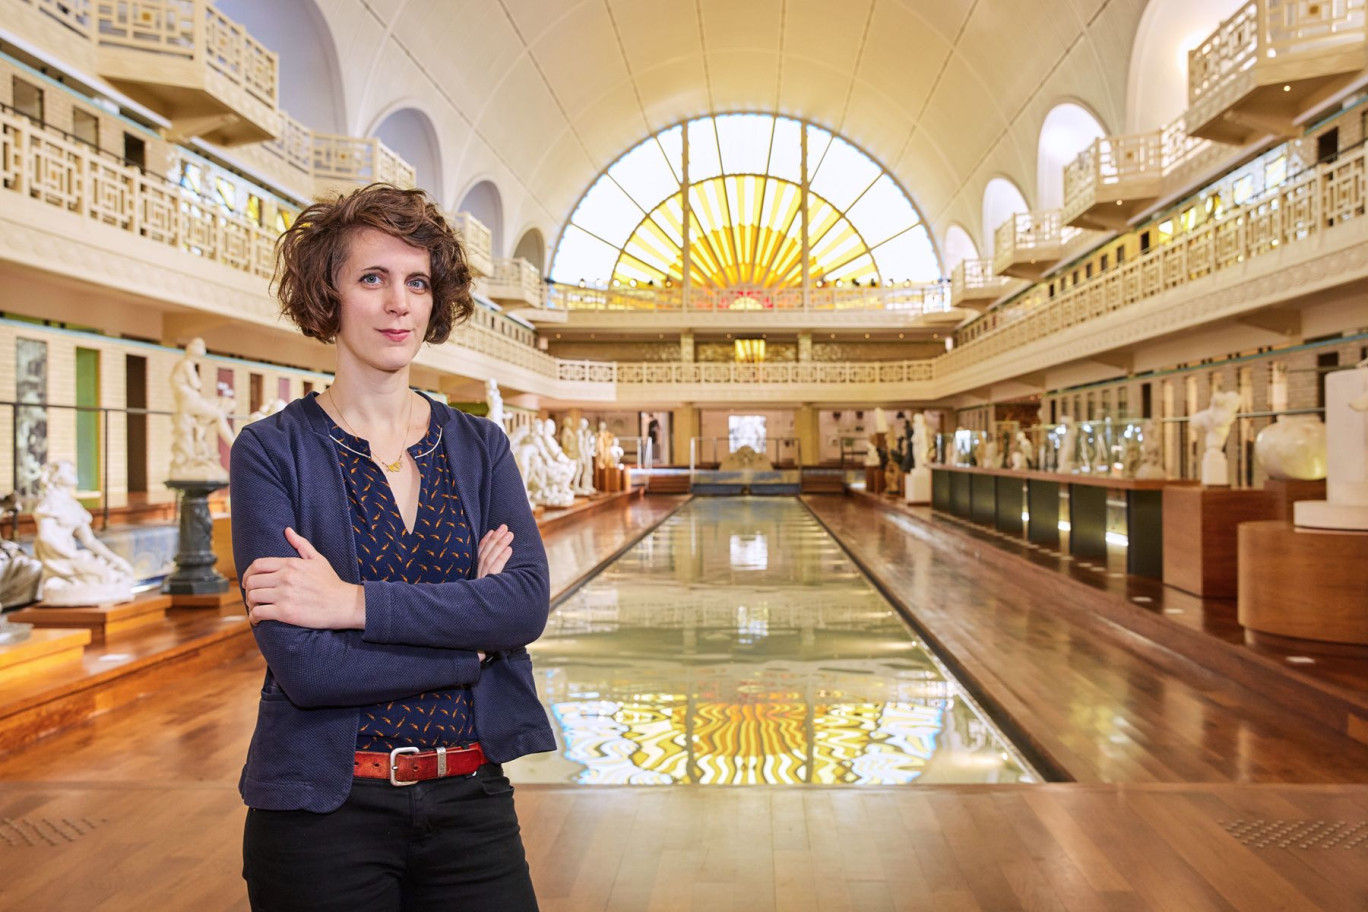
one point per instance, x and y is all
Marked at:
(685, 425)
(805, 427)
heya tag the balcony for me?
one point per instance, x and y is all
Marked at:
(478, 241)
(1112, 180)
(193, 65)
(1029, 244)
(341, 164)
(517, 285)
(974, 285)
(1271, 62)
(64, 27)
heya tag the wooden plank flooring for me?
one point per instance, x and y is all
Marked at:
(138, 809)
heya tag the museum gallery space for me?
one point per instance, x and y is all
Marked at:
(947, 423)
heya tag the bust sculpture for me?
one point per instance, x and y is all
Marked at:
(198, 422)
(1151, 452)
(1213, 424)
(72, 575)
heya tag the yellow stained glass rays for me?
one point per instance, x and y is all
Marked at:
(745, 212)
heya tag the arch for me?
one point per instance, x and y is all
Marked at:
(959, 246)
(1156, 84)
(309, 75)
(1068, 129)
(744, 199)
(410, 132)
(1001, 199)
(484, 201)
(532, 247)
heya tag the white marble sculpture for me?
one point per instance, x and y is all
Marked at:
(991, 458)
(570, 446)
(559, 468)
(880, 421)
(1292, 447)
(1151, 453)
(603, 446)
(72, 575)
(198, 422)
(1346, 465)
(494, 401)
(615, 453)
(917, 484)
(267, 409)
(531, 466)
(1213, 424)
(19, 575)
(871, 456)
(1068, 447)
(1021, 453)
(586, 456)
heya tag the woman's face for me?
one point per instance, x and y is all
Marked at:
(385, 301)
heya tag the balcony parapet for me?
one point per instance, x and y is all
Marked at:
(930, 300)
(517, 284)
(1296, 212)
(478, 241)
(974, 285)
(192, 64)
(1270, 62)
(341, 164)
(64, 27)
(1029, 244)
(726, 373)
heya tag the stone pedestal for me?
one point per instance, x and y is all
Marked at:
(1215, 469)
(195, 574)
(917, 486)
(1346, 464)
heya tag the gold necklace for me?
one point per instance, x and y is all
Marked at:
(387, 466)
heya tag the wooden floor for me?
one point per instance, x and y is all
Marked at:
(1193, 804)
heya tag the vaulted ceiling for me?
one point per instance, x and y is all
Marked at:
(541, 95)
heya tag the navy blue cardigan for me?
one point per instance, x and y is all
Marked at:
(418, 637)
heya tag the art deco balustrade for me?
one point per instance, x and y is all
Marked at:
(1029, 243)
(1289, 214)
(192, 64)
(343, 163)
(932, 300)
(516, 284)
(478, 240)
(656, 373)
(974, 285)
(1270, 62)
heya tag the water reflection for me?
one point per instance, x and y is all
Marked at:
(738, 645)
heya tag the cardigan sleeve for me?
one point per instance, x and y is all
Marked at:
(497, 613)
(322, 667)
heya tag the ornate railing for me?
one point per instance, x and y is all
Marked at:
(727, 372)
(932, 298)
(76, 178)
(358, 160)
(1271, 30)
(1288, 214)
(73, 14)
(487, 334)
(190, 29)
(516, 278)
(1029, 236)
(975, 279)
(294, 145)
(478, 240)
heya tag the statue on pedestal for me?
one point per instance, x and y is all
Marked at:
(494, 400)
(1068, 447)
(1021, 452)
(911, 455)
(603, 446)
(1213, 424)
(559, 468)
(586, 456)
(1151, 453)
(530, 463)
(198, 423)
(72, 575)
(570, 446)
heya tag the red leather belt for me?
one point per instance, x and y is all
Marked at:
(409, 765)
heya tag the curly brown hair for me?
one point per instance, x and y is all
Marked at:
(311, 253)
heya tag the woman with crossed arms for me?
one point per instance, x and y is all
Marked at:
(376, 527)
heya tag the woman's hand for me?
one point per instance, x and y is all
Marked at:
(496, 547)
(304, 591)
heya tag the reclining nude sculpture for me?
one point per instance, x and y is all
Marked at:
(72, 575)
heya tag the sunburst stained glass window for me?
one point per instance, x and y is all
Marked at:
(730, 189)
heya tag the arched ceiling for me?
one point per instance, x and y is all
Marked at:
(946, 93)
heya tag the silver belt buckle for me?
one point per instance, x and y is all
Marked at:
(394, 756)
(441, 762)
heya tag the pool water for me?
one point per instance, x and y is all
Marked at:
(737, 644)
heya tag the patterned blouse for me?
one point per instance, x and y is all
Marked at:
(438, 549)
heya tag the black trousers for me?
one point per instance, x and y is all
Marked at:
(441, 844)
